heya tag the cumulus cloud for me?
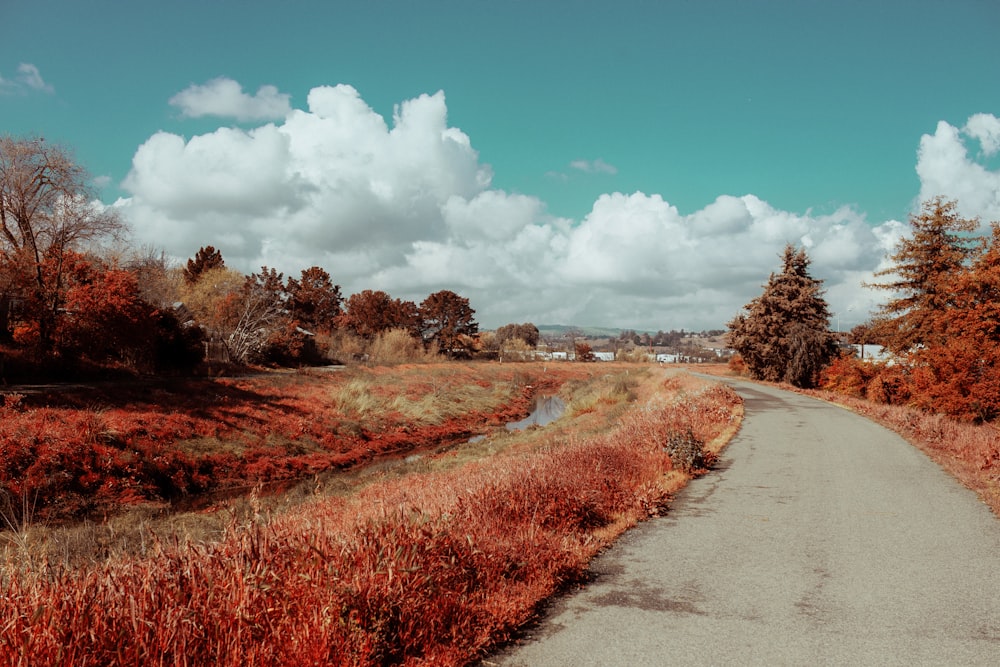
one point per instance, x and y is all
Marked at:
(946, 169)
(225, 98)
(597, 166)
(28, 79)
(986, 129)
(405, 205)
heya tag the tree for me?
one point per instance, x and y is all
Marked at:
(583, 352)
(784, 334)
(158, 280)
(314, 300)
(206, 259)
(925, 263)
(254, 314)
(527, 332)
(205, 298)
(447, 318)
(105, 317)
(368, 313)
(46, 211)
(958, 370)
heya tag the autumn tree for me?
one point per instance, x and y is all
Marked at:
(924, 264)
(206, 259)
(583, 352)
(784, 334)
(957, 371)
(368, 313)
(205, 298)
(527, 332)
(314, 301)
(106, 318)
(46, 211)
(447, 319)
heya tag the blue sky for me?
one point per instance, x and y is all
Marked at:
(588, 127)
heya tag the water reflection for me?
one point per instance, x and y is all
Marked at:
(547, 410)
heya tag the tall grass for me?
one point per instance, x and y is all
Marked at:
(424, 569)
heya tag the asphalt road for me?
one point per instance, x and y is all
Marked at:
(821, 539)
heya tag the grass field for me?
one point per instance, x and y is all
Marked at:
(428, 556)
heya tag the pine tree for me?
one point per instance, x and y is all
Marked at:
(925, 265)
(784, 334)
(206, 259)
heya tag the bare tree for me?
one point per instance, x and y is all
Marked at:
(46, 211)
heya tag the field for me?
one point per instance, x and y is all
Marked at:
(393, 539)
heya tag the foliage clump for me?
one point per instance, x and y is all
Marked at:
(940, 323)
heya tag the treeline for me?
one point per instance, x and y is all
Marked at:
(265, 318)
(73, 301)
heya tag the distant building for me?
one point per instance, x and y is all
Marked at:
(873, 353)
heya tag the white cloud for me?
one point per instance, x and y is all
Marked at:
(28, 79)
(986, 129)
(407, 206)
(597, 166)
(945, 168)
(225, 98)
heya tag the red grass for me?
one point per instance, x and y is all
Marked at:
(423, 570)
(83, 452)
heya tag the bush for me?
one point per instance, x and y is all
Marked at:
(686, 450)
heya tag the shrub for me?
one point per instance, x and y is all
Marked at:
(686, 450)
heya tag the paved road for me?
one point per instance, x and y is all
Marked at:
(822, 539)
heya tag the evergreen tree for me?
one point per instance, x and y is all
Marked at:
(206, 259)
(925, 266)
(784, 334)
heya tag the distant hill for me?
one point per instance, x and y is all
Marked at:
(559, 330)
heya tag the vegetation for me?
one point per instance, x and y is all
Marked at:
(784, 335)
(85, 452)
(941, 322)
(429, 567)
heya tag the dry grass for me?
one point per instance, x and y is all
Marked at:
(428, 567)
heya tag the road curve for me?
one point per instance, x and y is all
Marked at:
(821, 539)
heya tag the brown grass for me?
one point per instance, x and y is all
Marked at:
(426, 567)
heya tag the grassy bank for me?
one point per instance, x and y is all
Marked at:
(426, 564)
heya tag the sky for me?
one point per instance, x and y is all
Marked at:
(632, 164)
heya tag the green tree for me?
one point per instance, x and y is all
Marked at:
(784, 334)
